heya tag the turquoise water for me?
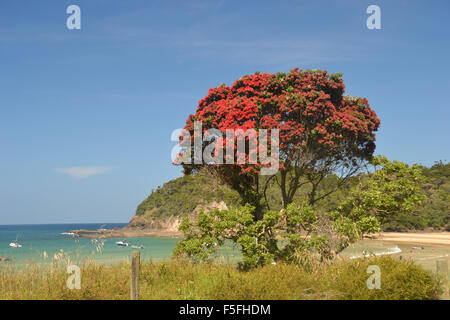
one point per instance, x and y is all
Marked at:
(47, 243)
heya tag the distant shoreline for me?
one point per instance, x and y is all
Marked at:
(435, 238)
(125, 233)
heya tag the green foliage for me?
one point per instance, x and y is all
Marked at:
(296, 234)
(199, 241)
(394, 188)
(302, 234)
(239, 225)
(435, 211)
(305, 238)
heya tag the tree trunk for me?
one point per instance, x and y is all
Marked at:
(283, 188)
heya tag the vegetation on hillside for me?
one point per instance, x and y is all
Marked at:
(179, 197)
(435, 213)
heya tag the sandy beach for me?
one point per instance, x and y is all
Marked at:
(435, 238)
(425, 238)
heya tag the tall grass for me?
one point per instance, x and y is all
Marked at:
(181, 280)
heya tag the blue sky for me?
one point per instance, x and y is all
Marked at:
(105, 99)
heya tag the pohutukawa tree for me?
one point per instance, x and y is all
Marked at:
(321, 131)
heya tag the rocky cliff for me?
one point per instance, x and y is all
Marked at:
(164, 209)
(148, 222)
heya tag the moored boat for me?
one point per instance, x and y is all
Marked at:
(15, 244)
(122, 243)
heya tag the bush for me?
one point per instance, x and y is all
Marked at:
(400, 280)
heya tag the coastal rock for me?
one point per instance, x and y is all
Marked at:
(150, 222)
(149, 225)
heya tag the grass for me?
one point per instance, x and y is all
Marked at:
(180, 280)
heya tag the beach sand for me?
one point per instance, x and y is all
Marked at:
(433, 238)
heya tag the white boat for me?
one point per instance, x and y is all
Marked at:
(137, 247)
(15, 244)
(122, 243)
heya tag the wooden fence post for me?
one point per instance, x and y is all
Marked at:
(442, 271)
(135, 266)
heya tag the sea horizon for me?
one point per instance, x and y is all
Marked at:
(65, 223)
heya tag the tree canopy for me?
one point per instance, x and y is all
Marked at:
(321, 131)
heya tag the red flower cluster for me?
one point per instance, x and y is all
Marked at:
(308, 108)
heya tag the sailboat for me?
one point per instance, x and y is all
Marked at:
(15, 244)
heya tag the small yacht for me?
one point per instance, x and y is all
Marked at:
(15, 244)
(138, 247)
(122, 243)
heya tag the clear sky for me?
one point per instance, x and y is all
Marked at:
(86, 115)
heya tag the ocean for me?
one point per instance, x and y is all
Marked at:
(47, 243)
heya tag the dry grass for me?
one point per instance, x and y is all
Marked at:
(182, 280)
